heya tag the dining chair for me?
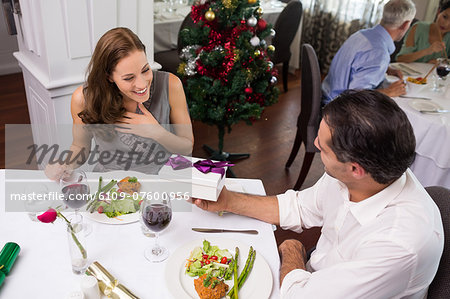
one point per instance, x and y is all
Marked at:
(285, 28)
(170, 60)
(440, 286)
(310, 114)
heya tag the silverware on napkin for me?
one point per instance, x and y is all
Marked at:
(412, 97)
(435, 111)
(409, 69)
(221, 230)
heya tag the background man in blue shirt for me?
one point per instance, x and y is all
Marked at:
(363, 60)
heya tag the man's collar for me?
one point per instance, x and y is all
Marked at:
(389, 42)
(368, 209)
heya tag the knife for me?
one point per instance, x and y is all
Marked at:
(221, 230)
(411, 97)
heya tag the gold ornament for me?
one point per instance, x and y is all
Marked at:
(210, 15)
(252, 1)
(257, 53)
(227, 3)
(271, 48)
(181, 68)
(259, 11)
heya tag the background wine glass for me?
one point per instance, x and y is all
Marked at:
(156, 215)
(75, 189)
(442, 70)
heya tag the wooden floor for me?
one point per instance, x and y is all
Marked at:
(268, 141)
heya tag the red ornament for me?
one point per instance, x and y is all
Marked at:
(262, 24)
(248, 90)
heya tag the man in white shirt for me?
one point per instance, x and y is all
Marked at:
(382, 234)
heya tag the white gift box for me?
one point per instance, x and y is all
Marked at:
(204, 185)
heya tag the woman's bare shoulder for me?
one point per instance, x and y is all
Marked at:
(412, 32)
(174, 81)
(77, 102)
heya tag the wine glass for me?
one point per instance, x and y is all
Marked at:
(156, 214)
(75, 189)
(442, 70)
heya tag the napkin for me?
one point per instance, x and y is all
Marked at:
(8, 256)
(108, 284)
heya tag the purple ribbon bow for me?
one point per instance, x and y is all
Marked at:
(179, 162)
(206, 166)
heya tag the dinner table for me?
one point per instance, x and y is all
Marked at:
(167, 24)
(43, 266)
(431, 127)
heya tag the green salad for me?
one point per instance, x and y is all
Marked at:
(114, 202)
(211, 260)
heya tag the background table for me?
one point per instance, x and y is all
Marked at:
(43, 268)
(432, 131)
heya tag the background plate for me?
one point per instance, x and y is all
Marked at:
(423, 105)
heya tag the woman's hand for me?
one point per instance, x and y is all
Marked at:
(437, 46)
(56, 171)
(144, 125)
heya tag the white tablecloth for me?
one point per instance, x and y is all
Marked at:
(167, 25)
(43, 269)
(432, 131)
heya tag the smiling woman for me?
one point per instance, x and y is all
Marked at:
(134, 114)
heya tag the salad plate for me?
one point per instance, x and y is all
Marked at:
(107, 177)
(181, 285)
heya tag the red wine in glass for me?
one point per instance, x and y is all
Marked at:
(157, 216)
(76, 195)
(442, 71)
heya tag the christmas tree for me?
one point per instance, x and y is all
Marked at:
(226, 68)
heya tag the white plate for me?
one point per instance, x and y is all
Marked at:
(107, 177)
(102, 218)
(423, 105)
(258, 283)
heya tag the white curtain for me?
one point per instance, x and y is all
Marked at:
(328, 23)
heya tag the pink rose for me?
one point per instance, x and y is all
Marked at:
(48, 217)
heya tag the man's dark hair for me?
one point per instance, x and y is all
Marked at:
(369, 128)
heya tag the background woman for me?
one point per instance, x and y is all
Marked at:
(425, 42)
(133, 106)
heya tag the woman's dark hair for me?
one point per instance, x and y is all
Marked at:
(369, 128)
(103, 101)
(444, 5)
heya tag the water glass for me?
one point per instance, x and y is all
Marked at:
(76, 236)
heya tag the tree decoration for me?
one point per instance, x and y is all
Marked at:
(262, 24)
(274, 80)
(272, 32)
(210, 15)
(224, 67)
(254, 41)
(271, 48)
(259, 11)
(252, 21)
